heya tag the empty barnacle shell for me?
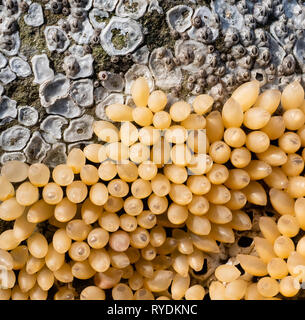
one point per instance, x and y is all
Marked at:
(108, 5)
(42, 71)
(51, 127)
(133, 9)
(259, 75)
(78, 67)
(217, 91)
(205, 35)
(53, 89)
(95, 17)
(34, 16)
(138, 70)
(7, 75)
(56, 6)
(114, 82)
(228, 80)
(56, 155)
(36, 148)
(79, 129)
(179, 18)
(253, 51)
(10, 156)
(121, 36)
(64, 107)
(100, 94)
(81, 92)
(279, 31)
(20, 67)
(56, 39)
(7, 107)
(14, 138)
(9, 26)
(242, 75)
(228, 14)
(10, 44)
(165, 79)
(27, 116)
(264, 56)
(108, 100)
(3, 61)
(141, 55)
(81, 31)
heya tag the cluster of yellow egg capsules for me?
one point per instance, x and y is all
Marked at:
(135, 214)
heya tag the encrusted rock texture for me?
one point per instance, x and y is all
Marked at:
(63, 61)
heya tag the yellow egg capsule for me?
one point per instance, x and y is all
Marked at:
(292, 96)
(140, 92)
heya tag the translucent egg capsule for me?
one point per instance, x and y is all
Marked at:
(238, 200)
(140, 92)
(77, 229)
(106, 131)
(219, 194)
(8, 241)
(269, 229)
(76, 160)
(98, 194)
(65, 210)
(77, 191)
(227, 273)
(64, 273)
(296, 265)
(23, 228)
(219, 214)
(194, 122)
(203, 103)
(161, 120)
(294, 165)
(205, 243)
(277, 179)
(61, 241)
(157, 100)
(52, 193)
(255, 193)
(39, 212)
(222, 233)
(89, 174)
(17, 294)
(258, 170)
(219, 152)
(45, 279)
(90, 212)
(240, 157)
(107, 170)
(256, 118)
(10, 209)
(36, 293)
(289, 286)
(37, 245)
(6, 260)
(236, 289)
(292, 96)
(214, 126)
(82, 270)
(26, 281)
(269, 100)
(281, 201)
(232, 113)
(198, 206)
(20, 256)
(198, 224)
(15, 171)
(238, 179)
(91, 152)
(288, 225)
(257, 141)
(247, 94)
(7, 189)
(283, 246)
(267, 287)
(234, 137)
(65, 293)
(240, 221)
(294, 119)
(27, 194)
(127, 171)
(264, 249)
(99, 260)
(253, 265)
(217, 291)
(92, 293)
(273, 156)
(179, 286)
(119, 112)
(142, 116)
(195, 292)
(39, 174)
(180, 194)
(296, 187)
(275, 127)
(277, 268)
